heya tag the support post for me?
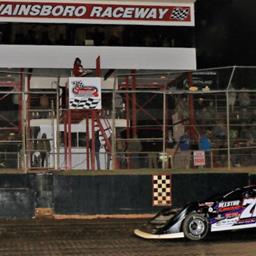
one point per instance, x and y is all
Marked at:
(28, 132)
(69, 141)
(65, 140)
(164, 130)
(87, 141)
(134, 114)
(228, 117)
(57, 150)
(24, 128)
(93, 141)
(192, 120)
(127, 113)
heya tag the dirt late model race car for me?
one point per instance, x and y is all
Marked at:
(229, 211)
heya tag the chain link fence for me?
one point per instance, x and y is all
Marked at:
(148, 120)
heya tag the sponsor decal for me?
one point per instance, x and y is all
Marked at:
(92, 11)
(81, 90)
(246, 221)
(227, 222)
(229, 206)
(229, 215)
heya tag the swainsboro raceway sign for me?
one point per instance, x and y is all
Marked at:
(84, 93)
(153, 13)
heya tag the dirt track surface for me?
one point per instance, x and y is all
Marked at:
(111, 238)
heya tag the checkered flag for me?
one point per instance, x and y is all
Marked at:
(89, 103)
(162, 190)
(179, 13)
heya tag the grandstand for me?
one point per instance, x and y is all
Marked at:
(151, 95)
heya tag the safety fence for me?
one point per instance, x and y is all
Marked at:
(205, 118)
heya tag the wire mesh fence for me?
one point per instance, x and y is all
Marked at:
(148, 120)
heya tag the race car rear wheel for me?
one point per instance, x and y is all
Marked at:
(195, 226)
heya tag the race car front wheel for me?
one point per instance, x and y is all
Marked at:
(195, 226)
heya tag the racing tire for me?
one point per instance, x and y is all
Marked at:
(195, 226)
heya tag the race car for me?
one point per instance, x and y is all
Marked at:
(233, 210)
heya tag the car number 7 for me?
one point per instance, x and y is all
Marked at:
(248, 212)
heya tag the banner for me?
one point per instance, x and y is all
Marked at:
(97, 13)
(85, 93)
(199, 158)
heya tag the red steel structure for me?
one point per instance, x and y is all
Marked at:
(75, 116)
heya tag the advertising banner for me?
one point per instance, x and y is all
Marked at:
(199, 158)
(154, 13)
(85, 93)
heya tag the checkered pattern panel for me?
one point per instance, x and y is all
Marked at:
(89, 103)
(162, 190)
(180, 13)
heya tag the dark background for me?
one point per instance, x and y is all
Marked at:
(225, 32)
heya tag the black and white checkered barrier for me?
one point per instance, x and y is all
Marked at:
(180, 13)
(89, 103)
(162, 190)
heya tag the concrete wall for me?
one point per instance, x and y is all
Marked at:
(252, 179)
(193, 187)
(20, 195)
(115, 194)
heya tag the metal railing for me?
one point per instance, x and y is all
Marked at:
(144, 112)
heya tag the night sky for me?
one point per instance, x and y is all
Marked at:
(225, 32)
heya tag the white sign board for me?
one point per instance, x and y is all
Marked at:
(84, 93)
(199, 158)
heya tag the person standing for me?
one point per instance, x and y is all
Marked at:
(97, 146)
(44, 147)
(184, 152)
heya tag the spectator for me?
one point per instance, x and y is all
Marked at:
(204, 143)
(171, 149)
(184, 142)
(119, 104)
(243, 115)
(252, 131)
(206, 115)
(219, 131)
(182, 160)
(245, 135)
(44, 147)
(231, 98)
(244, 98)
(200, 103)
(78, 69)
(235, 156)
(120, 150)
(97, 145)
(152, 155)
